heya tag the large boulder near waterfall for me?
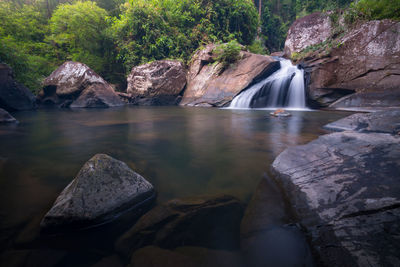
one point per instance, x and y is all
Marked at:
(211, 85)
(211, 222)
(5, 117)
(345, 190)
(381, 122)
(103, 189)
(363, 61)
(157, 83)
(13, 95)
(75, 84)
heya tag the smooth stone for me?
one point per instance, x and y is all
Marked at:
(110, 261)
(212, 222)
(97, 96)
(5, 117)
(102, 190)
(344, 188)
(32, 258)
(379, 122)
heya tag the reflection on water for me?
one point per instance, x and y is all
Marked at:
(182, 151)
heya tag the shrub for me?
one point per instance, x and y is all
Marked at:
(228, 53)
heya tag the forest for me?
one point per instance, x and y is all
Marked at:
(112, 36)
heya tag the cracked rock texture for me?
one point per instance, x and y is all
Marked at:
(103, 188)
(380, 122)
(157, 83)
(210, 85)
(345, 190)
(364, 63)
(76, 85)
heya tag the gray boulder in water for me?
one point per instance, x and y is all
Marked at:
(103, 189)
(5, 117)
(345, 189)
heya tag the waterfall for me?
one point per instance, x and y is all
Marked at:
(284, 88)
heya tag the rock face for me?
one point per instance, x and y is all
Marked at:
(211, 222)
(75, 84)
(5, 117)
(207, 86)
(380, 122)
(309, 30)
(157, 83)
(14, 96)
(266, 236)
(103, 188)
(345, 189)
(365, 61)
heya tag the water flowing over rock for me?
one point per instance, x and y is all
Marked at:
(207, 86)
(379, 122)
(345, 190)
(157, 83)
(283, 88)
(364, 63)
(211, 222)
(5, 117)
(75, 84)
(103, 189)
(13, 95)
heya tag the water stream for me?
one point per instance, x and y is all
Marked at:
(284, 88)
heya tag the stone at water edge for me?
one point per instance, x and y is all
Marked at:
(5, 117)
(345, 189)
(381, 122)
(157, 83)
(97, 96)
(103, 188)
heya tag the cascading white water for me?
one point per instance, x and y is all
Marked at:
(284, 88)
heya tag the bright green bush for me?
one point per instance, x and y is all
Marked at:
(228, 53)
(378, 9)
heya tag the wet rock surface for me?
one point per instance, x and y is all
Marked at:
(184, 256)
(211, 222)
(13, 95)
(209, 85)
(76, 83)
(345, 189)
(380, 122)
(103, 188)
(158, 83)
(5, 117)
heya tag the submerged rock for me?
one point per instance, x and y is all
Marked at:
(5, 117)
(13, 95)
(345, 189)
(211, 222)
(103, 188)
(157, 83)
(184, 256)
(76, 83)
(207, 86)
(380, 122)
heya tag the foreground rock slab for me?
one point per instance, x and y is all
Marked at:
(345, 189)
(75, 84)
(157, 83)
(207, 86)
(103, 188)
(380, 122)
(212, 222)
(13, 95)
(5, 117)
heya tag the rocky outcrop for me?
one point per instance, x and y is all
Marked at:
(103, 189)
(75, 84)
(208, 86)
(211, 222)
(157, 83)
(5, 117)
(306, 31)
(365, 63)
(13, 95)
(184, 256)
(379, 122)
(266, 233)
(345, 190)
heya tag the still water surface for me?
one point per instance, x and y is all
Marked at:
(181, 151)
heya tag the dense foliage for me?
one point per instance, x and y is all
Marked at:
(111, 36)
